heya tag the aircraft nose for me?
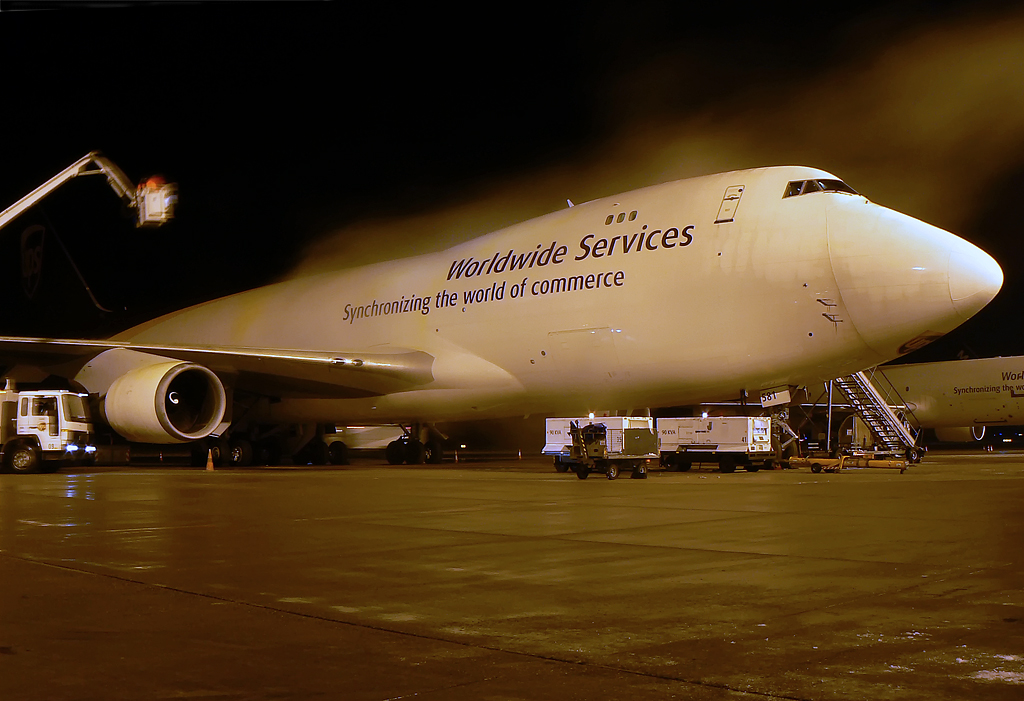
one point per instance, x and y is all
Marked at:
(974, 279)
(904, 282)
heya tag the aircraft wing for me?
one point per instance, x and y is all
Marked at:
(280, 372)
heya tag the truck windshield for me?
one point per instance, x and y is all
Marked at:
(74, 408)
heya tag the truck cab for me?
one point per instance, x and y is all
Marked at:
(42, 429)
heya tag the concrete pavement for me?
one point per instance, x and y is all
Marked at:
(509, 581)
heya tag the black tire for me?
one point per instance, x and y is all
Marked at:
(561, 466)
(221, 452)
(338, 452)
(434, 451)
(415, 452)
(268, 452)
(22, 458)
(582, 472)
(913, 455)
(240, 453)
(753, 467)
(612, 471)
(639, 472)
(318, 452)
(726, 465)
(395, 453)
(815, 468)
(684, 465)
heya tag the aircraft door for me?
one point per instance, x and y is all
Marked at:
(730, 203)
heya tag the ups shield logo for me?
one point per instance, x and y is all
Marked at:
(32, 240)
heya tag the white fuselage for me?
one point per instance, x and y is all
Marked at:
(962, 393)
(643, 299)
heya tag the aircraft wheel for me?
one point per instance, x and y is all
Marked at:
(395, 453)
(415, 452)
(318, 454)
(612, 471)
(240, 454)
(434, 451)
(221, 452)
(268, 452)
(338, 452)
(22, 458)
(582, 472)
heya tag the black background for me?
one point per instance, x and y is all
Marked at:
(305, 136)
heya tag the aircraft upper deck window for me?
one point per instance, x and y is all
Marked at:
(803, 187)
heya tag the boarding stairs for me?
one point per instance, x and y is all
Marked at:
(891, 422)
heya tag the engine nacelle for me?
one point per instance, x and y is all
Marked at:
(960, 434)
(172, 402)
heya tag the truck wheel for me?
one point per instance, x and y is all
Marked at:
(582, 472)
(726, 465)
(815, 468)
(612, 471)
(639, 472)
(753, 467)
(561, 466)
(22, 458)
(683, 465)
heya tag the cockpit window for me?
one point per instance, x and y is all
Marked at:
(803, 187)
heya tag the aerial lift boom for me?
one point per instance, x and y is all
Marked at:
(152, 200)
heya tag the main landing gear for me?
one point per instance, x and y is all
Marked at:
(419, 445)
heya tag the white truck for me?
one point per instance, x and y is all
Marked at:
(607, 444)
(730, 441)
(40, 430)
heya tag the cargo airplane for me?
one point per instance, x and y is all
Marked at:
(959, 398)
(703, 289)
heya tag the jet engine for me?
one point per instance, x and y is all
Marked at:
(962, 434)
(171, 402)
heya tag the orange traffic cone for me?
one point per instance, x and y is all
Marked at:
(209, 460)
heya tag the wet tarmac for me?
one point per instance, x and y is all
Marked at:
(505, 580)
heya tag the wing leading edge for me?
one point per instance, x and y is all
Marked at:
(280, 372)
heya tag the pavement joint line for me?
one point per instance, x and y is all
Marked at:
(434, 638)
(567, 538)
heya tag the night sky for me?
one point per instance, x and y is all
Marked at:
(305, 136)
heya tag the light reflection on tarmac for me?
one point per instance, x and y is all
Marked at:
(507, 580)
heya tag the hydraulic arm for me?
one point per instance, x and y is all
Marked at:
(153, 200)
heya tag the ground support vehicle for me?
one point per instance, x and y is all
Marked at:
(41, 430)
(836, 464)
(606, 444)
(731, 441)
